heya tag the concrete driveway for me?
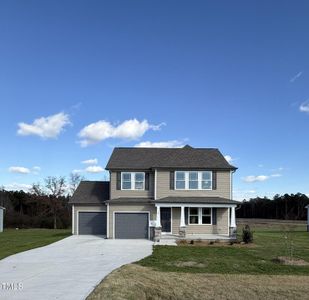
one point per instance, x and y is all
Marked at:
(68, 269)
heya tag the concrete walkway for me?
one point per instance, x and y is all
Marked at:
(68, 269)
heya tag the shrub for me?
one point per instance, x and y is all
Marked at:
(247, 234)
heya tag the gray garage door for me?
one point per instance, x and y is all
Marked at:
(131, 225)
(92, 223)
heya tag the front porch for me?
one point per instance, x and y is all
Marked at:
(195, 221)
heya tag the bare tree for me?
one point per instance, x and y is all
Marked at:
(54, 187)
(75, 179)
(37, 189)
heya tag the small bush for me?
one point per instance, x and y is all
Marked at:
(247, 234)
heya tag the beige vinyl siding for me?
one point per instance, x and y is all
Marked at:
(114, 193)
(221, 227)
(223, 187)
(127, 208)
(78, 208)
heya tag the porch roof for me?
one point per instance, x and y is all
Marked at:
(196, 200)
(121, 200)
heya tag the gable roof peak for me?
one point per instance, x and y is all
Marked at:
(187, 147)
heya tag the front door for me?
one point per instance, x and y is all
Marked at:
(166, 214)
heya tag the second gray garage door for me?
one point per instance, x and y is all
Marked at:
(131, 225)
(92, 223)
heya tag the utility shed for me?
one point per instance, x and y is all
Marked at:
(1, 217)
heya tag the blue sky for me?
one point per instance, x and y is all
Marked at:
(80, 77)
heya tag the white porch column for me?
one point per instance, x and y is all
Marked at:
(158, 217)
(182, 217)
(233, 219)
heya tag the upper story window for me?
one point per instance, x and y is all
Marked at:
(193, 180)
(132, 180)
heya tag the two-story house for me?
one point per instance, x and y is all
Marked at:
(152, 192)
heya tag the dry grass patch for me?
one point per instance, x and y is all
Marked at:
(137, 282)
(290, 261)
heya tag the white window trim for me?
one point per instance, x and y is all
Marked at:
(199, 176)
(200, 217)
(133, 181)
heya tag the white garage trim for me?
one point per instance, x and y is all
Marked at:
(90, 211)
(131, 212)
(107, 220)
(73, 219)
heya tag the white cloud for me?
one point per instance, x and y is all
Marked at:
(259, 178)
(304, 107)
(275, 175)
(45, 127)
(20, 170)
(77, 171)
(243, 194)
(36, 170)
(229, 158)
(167, 144)
(93, 161)
(94, 169)
(102, 130)
(17, 187)
(296, 76)
(253, 178)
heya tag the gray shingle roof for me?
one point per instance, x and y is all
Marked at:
(205, 200)
(186, 157)
(91, 192)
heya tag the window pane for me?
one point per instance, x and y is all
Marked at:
(206, 219)
(126, 176)
(126, 185)
(139, 176)
(180, 184)
(193, 185)
(139, 185)
(206, 211)
(206, 185)
(193, 211)
(180, 175)
(206, 175)
(193, 219)
(193, 175)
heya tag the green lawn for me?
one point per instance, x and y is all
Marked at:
(13, 241)
(269, 243)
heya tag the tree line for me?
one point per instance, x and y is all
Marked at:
(285, 207)
(44, 206)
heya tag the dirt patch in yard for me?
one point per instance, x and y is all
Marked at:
(137, 282)
(288, 261)
(182, 264)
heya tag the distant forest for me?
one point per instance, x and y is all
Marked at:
(285, 207)
(50, 208)
(45, 206)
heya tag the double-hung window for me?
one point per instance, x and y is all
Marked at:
(200, 216)
(132, 180)
(193, 180)
(180, 180)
